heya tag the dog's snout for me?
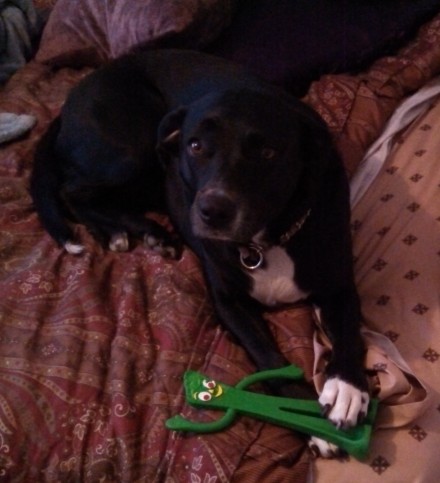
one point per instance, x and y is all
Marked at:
(216, 208)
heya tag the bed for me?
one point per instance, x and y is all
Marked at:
(93, 347)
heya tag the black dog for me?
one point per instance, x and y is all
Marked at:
(251, 182)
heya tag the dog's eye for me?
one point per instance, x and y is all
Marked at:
(195, 147)
(268, 153)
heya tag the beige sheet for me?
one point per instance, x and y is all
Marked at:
(396, 226)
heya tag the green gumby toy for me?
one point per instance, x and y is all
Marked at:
(301, 415)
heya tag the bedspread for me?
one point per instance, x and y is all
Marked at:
(93, 347)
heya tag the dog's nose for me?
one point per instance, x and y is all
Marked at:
(215, 207)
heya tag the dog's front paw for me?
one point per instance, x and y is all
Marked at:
(167, 247)
(320, 447)
(342, 403)
(73, 247)
(119, 242)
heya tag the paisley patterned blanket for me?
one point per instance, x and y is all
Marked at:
(93, 348)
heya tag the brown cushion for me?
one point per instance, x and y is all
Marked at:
(89, 32)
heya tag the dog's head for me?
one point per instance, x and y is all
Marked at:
(249, 162)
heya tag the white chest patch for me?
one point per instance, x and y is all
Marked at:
(274, 283)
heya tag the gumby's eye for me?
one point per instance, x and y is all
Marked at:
(204, 396)
(209, 384)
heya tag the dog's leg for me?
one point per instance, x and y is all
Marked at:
(245, 322)
(45, 184)
(113, 217)
(155, 236)
(239, 313)
(114, 229)
(345, 394)
(344, 398)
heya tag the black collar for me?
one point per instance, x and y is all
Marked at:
(252, 255)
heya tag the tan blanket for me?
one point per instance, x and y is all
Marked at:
(397, 248)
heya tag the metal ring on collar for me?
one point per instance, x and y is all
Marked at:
(251, 257)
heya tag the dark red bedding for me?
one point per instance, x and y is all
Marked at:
(93, 347)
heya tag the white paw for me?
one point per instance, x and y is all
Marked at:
(320, 447)
(343, 404)
(119, 242)
(159, 246)
(73, 248)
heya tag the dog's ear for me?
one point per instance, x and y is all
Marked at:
(168, 137)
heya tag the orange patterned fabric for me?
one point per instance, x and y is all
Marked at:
(356, 107)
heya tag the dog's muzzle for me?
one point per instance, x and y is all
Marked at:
(215, 208)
